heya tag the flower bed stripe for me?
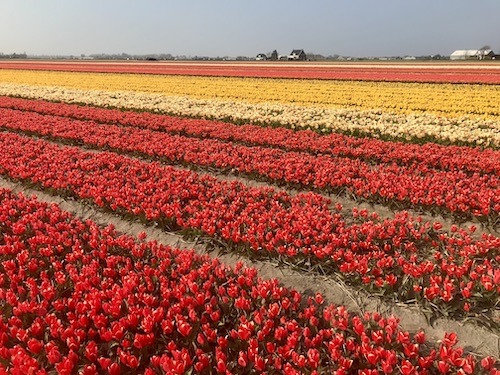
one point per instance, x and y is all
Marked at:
(81, 297)
(400, 257)
(446, 100)
(372, 124)
(437, 73)
(433, 155)
(415, 186)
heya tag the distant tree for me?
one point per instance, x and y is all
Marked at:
(18, 55)
(484, 51)
(274, 55)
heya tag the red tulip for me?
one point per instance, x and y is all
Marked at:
(443, 367)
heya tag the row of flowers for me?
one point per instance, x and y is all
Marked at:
(433, 155)
(402, 258)
(415, 128)
(402, 98)
(366, 72)
(415, 185)
(79, 298)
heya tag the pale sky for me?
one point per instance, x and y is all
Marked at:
(248, 27)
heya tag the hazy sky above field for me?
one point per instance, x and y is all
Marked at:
(247, 27)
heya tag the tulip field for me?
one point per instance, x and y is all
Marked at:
(457, 73)
(271, 162)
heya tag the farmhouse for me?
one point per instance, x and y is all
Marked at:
(472, 54)
(297, 54)
(261, 57)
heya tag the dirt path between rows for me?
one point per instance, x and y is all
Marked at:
(473, 338)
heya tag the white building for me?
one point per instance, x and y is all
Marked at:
(472, 54)
(297, 54)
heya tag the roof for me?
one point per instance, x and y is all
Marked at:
(465, 52)
(471, 53)
(297, 51)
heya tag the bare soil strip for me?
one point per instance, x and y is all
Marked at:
(473, 338)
